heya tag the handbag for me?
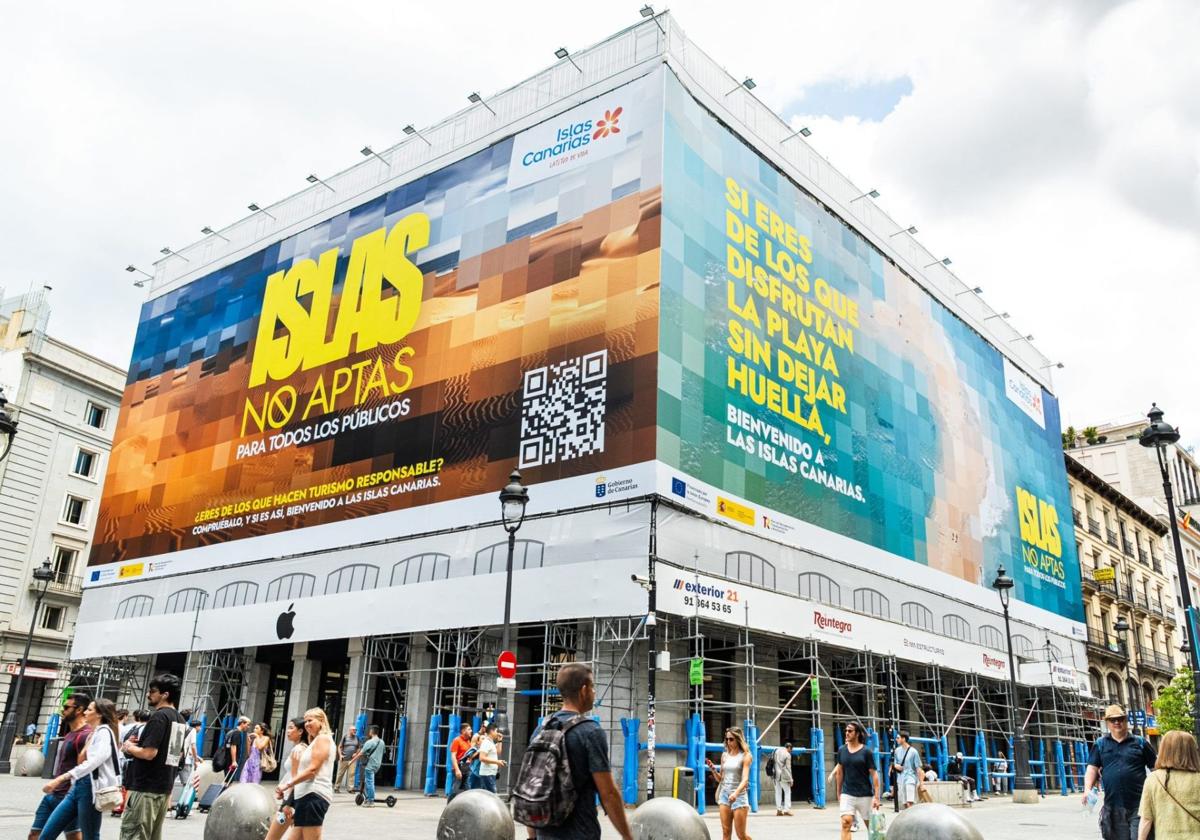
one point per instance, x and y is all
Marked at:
(1173, 799)
(268, 762)
(108, 798)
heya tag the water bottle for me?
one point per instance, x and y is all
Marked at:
(1093, 800)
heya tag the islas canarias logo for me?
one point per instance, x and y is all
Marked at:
(576, 135)
(302, 327)
(1042, 544)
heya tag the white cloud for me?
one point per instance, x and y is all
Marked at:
(1051, 149)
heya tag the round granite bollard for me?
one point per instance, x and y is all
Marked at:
(31, 763)
(664, 818)
(931, 821)
(243, 812)
(476, 815)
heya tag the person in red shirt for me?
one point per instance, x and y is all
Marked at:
(75, 737)
(458, 748)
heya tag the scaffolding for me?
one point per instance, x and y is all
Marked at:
(215, 690)
(123, 680)
(383, 698)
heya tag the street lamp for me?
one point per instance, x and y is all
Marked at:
(513, 499)
(8, 731)
(1024, 790)
(8, 426)
(1159, 435)
(1122, 629)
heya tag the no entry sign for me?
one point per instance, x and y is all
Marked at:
(506, 664)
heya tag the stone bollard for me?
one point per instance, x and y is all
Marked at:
(664, 818)
(476, 815)
(931, 821)
(30, 763)
(243, 812)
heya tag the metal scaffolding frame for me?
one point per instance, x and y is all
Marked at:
(215, 688)
(122, 679)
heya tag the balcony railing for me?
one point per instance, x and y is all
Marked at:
(1127, 547)
(1141, 601)
(1156, 607)
(1154, 660)
(1078, 519)
(1112, 538)
(1094, 527)
(1106, 643)
(61, 584)
(1143, 555)
(1124, 592)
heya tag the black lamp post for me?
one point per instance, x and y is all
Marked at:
(1122, 628)
(8, 426)
(8, 731)
(1158, 436)
(513, 499)
(1024, 790)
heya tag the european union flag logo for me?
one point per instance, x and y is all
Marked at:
(678, 487)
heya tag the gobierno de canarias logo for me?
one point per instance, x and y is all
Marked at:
(576, 135)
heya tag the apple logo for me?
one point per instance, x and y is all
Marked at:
(283, 624)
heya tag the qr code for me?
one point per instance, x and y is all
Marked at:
(562, 410)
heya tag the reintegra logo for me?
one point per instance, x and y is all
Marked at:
(993, 662)
(825, 622)
(576, 136)
(706, 591)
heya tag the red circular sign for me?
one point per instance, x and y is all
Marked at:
(506, 664)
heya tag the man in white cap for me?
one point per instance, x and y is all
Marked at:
(1122, 759)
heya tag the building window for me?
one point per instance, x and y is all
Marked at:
(353, 578)
(95, 415)
(818, 587)
(290, 587)
(871, 602)
(186, 600)
(916, 615)
(421, 567)
(52, 618)
(64, 563)
(236, 594)
(956, 627)
(1023, 647)
(85, 463)
(750, 568)
(991, 637)
(74, 510)
(135, 606)
(527, 554)
(1094, 679)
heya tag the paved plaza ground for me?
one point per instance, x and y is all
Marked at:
(415, 818)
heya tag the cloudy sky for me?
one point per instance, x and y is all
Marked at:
(1052, 149)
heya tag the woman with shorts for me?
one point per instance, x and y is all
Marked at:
(312, 778)
(298, 738)
(733, 778)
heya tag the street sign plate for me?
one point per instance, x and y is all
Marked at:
(506, 664)
(1104, 574)
(506, 682)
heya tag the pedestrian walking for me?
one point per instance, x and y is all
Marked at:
(855, 779)
(346, 750)
(489, 759)
(371, 755)
(781, 763)
(154, 753)
(236, 741)
(191, 754)
(296, 739)
(906, 761)
(1170, 805)
(312, 777)
(459, 748)
(96, 772)
(586, 751)
(1123, 759)
(258, 744)
(733, 779)
(69, 750)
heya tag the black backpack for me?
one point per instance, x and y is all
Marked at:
(223, 757)
(544, 793)
(771, 765)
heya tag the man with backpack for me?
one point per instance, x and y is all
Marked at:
(154, 753)
(566, 767)
(459, 748)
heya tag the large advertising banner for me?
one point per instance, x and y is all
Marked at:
(403, 355)
(809, 387)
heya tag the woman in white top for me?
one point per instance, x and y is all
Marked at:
(295, 735)
(97, 770)
(312, 777)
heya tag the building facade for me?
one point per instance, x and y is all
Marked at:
(760, 436)
(65, 402)
(1119, 539)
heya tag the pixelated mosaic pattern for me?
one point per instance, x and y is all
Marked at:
(519, 279)
(929, 433)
